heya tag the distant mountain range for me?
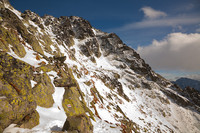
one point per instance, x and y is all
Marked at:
(185, 82)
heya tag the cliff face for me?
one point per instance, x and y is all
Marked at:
(63, 74)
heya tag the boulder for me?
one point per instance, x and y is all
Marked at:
(43, 91)
(79, 124)
(75, 109)
(72, 103)
(65, 79)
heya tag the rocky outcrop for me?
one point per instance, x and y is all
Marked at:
(10, 37)
(16, 97)
(43, 90)
(80, 124)
(65, 78)
(76, 109)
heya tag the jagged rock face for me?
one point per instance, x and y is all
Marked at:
(105, 84)
(192, 94)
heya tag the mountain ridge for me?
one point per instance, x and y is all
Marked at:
(187, 82)
(89, 79)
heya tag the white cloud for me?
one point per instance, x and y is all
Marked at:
(152, 13)
(194, 76)
(169, 76)
(178, 51)
(163, 22)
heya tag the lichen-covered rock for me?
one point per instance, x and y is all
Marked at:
(10, 37)
(65, 79)
(17, 73)
(46, 43)
(45, 68)
(71, 102)
(75, 109)
(30, 121)
(43, 91)
(63, 82)
(12, 21)
(80, 124)
(16, 98)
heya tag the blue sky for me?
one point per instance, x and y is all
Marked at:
(145, 25)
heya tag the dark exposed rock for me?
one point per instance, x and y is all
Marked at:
(111, 45)
(81, 27)
(192, 95)
(113, 83)
(32, 16)
(61, 24)
(59, 60)
(91, 47)
(5, 2)
(178, 99)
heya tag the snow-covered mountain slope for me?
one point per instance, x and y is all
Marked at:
(81, 79)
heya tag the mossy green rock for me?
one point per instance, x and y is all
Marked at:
(43, 91)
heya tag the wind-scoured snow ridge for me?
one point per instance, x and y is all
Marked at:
(123, 93)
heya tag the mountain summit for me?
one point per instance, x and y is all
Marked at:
(62, 74)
